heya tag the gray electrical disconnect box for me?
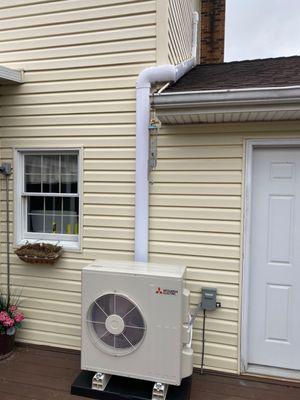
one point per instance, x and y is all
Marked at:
(209, 299)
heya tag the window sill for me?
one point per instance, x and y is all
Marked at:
(66, 245)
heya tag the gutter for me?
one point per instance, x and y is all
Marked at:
(149, 76)
(212, 99)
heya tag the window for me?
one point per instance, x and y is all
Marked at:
(47, 203)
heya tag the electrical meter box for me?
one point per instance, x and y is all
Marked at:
(209, 299)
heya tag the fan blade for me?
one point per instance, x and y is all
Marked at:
(122, 342)
(108, 339)
(133, 335)
(106, 303)
(123, 306)
(97, 314)
(134, 319)
(99, 329)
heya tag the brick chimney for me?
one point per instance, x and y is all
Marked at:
(212, 31)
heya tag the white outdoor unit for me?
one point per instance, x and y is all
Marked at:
(135, 321)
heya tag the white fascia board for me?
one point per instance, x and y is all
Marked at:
(9, 75)
(231, 97)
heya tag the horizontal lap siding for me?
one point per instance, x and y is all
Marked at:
(180, 30)
(81, 60)
(195, 220)
(81, 93)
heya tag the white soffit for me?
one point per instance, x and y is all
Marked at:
(9, 76)
(239, 105)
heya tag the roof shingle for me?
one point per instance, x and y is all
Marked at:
(269, 72)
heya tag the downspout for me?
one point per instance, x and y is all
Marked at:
(149, 76)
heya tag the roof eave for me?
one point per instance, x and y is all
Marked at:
(213, 98)
(257, 104)
(10, 76)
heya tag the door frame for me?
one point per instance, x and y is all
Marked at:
(250, 146)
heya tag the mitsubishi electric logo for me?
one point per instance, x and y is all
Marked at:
(169, 292)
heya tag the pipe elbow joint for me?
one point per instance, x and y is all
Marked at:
(160, 73)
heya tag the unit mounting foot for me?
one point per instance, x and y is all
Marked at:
(100, 381)
(159, 391)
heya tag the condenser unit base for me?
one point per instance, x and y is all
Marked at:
(120, 388)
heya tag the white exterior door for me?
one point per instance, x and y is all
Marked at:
(274, 267)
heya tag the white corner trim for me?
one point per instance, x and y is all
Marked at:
(162, 31)
(9, 75)
(250, 145)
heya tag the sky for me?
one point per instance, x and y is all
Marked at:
(261, 29)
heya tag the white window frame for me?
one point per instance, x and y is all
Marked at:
(21, 236)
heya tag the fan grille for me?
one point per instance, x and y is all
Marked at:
(117, 323)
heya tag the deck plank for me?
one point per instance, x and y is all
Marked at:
(47, 374)
(219, 387)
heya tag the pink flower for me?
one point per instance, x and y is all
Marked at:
(13, 308)
(8, 322)
(18, 317)
(3, 316)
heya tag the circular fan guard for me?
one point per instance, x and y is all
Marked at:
(117, 324)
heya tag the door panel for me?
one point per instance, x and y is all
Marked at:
(281, 222)
(274, 295)
(278, 299)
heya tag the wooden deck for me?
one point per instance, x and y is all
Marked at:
(44, 374)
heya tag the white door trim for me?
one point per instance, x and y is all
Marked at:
(250, 145)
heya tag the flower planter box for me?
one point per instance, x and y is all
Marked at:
(39, 253)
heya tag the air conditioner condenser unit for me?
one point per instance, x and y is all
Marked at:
(135, 321)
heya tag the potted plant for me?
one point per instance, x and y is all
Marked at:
(10, 320)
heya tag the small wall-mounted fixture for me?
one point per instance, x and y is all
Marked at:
(5, 168)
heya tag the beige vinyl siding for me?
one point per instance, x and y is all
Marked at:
(196, 219)
(180, 21)
(81, 60)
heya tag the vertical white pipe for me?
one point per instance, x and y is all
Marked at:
(195, 35)
(161, 73)
(141, 174)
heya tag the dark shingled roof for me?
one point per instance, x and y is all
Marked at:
(269, 72)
